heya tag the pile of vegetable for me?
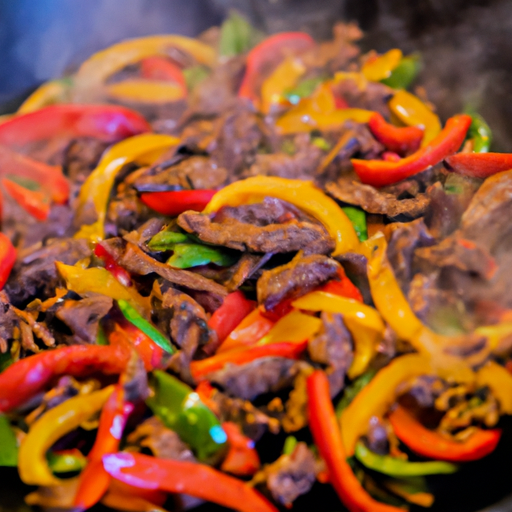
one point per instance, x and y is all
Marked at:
(239, 269)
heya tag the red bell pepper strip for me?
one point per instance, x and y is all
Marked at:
(33, 202)
(105, 122)
(326, 434)
(233, 310)
(94, 480)
(49, 177)
(7, 258)
(174, 202)
(116, 270)
(242, 459)
(191, 478)
(28, 376)
(266, 52)
(479, 165)
(160, 68)
(403, 140)
(344, 287)
(379, 173)
(432, 445)
(244, 355)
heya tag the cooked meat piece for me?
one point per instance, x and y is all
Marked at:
(81, 157)
(301, 275)
(355, 266)
(8, 321)
(135, 260)
(144, 233)
(333, 347)
(404, 239)
(249, 380)
(163, 442)
(374, 96)
(372, 200)
(377, 437)
(135, 380)
(246, 266)
(35, 275)
(83, 316)
(291, 475)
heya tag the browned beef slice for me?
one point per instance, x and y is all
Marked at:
(249, 380)
(404, 239)
(35, 275)
(8, 320)
(372, 200)
(246, 266)
(83, 316)
(292, 475)
(301, 275)
(135, 260)
(377, 436)
(374, 96)
(355, 266)
(81, 157)
(333, 347)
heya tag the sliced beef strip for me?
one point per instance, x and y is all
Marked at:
(355, 266)
(83, 316)
(8, 321)
(246, 266)
(301, 275)
(374, 96)
(372, 200)
(249, 380)
(404, 239)
(81, 157)
(35, 274)
(333, 347)
(291, 475)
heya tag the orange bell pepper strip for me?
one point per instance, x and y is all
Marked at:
(326, 434)
(401, 140)
(434, 446)
(479, 165)
(380, 67)
(242, 459)
(380, 393)
(7, 259)
(191, 478)
(379, 173)
(145, 91)
(121, 496)
(34, 202)
(304, 195)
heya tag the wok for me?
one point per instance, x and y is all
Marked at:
(467, 53)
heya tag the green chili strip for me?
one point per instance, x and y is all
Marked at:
(8, 443)
(353, 389)
(166, 240)
(194, 255)
(132, 315)
(289, 445)
(398, 467)
(480, 133)
(65, 462)
(303, 89)
(358, 219)
(237, 36)
(405, 73)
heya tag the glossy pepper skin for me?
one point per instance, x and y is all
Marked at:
(8, 444)
(242, 458)
(182, 410)
(26, 377)
(7, 258)
(380, 173)
(479, 165)
(326, 434)
(434, 446)
(51, 426)
(342, 286)
(185, 477)
(174, 202)
(34, 202)
(403, 140)
(480, 134)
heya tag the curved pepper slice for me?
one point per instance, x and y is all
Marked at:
(325, 429)
(49, 93)
(7, 258)
(432, 445)
(143, 149)
(146, 91)
(302, 194)
(379, 173)
(26, 377)
(400, 140)
(32, 464)
(499, 381)
(174, 202)
(34, 202)
(342, 286)
(479, 133)
(379, 67)
(479, 165)
(379, 394)
(242, 459)
(185, 477)
(404, 74)
(160, 68)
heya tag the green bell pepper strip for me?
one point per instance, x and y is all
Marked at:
(66, 462)
(194, 255)
(5, 361)
(404, 74)
(8, 443)
(181, 410)
(289, 445)
(195, 75)
(358, 219)
(166, 240)
(392, 466)
(480, 133)
(237, 36)
(353, 389)
(303, 89)
(133, 316)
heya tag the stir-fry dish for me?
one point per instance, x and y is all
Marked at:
(237, 267)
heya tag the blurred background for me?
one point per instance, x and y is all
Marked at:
(466, 44)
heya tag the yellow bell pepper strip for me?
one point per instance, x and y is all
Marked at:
(54, 91)
(146, 91)
(499, 381)
(100, 280)
(413, 112)
(363, 322)
(93, 73)
(379, 173)
(143, 149)
(304, 195)
(380, 393)
(379, 67)
(293, 327)
(495, 333)
(32, 464)
(282, 78)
